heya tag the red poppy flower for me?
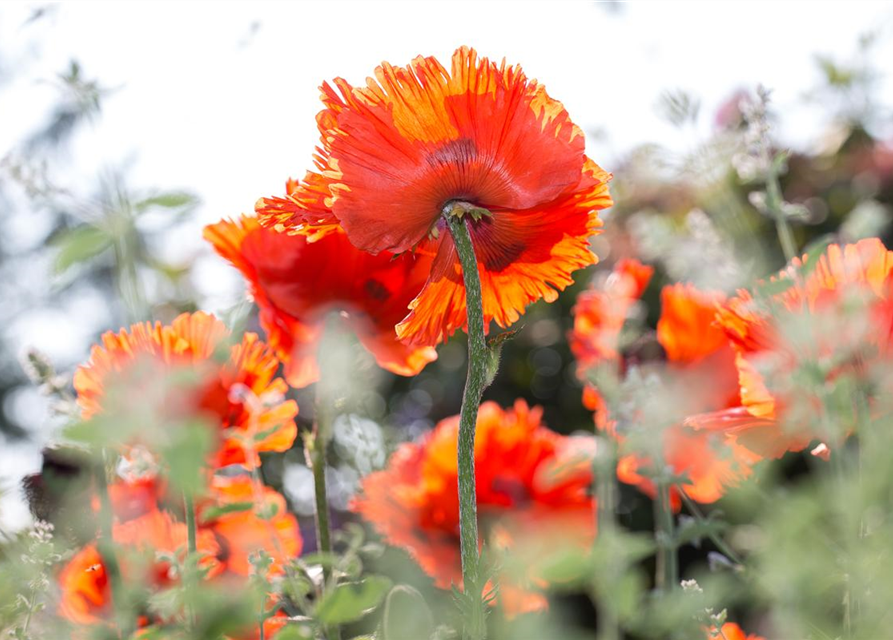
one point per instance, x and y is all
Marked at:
(396, 151)
(530, 480)
(296, 283)
(804, 324)
(131, 500)
(600, 313)
(189, 344)
(700, 364)
(86, 596)
(257, 518)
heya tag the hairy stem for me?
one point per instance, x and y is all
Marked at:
(471, 400)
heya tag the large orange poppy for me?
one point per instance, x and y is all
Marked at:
(395, 152)
(530, 480)
(190, 344)
(699, 363)
(296, 283)
(782, 331)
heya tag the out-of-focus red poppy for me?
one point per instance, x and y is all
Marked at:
(131, 500)
(86, 596)
(600, 313)
(189, 344)
(397, 151)
(530, 481)
(700, 362)
(296, 283)
(786, 330)
(731, 631)
(258, 519)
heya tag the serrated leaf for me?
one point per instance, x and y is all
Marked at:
(352, 600)
(78, 245)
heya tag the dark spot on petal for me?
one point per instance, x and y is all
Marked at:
(376, 290)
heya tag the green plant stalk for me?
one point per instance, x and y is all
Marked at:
(774, 204)
(189, 506)
(315, 445)
(191, 564)
(471, 400)
(106, 547)
(717, 540)
(604, 469)
(667, 570)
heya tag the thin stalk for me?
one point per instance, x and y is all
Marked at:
(315, 445)
(106, 547)
(774, 204)
(667, 571)
(471, 400)
(190, 522)
(717, 540)
(191, 564)
(604, 478)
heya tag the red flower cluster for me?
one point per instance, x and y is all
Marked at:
(217, 382)
(235, 391)
(150, 545)
(802, 326)
(699, 360)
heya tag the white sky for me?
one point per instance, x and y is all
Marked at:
(220, 97)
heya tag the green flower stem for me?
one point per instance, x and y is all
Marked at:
(774, 204)
(315, 446)
(471, 400)
(667, 571)
(604, 466)
(191, 565)
(717, 540)
(106, 547)
(189, 506)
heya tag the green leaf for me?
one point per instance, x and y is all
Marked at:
(815, 250)
(406, 615)
(212, 513)
(566, 566)
(168, 200)
(78, 245)
(352, 600)
(494, 353)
